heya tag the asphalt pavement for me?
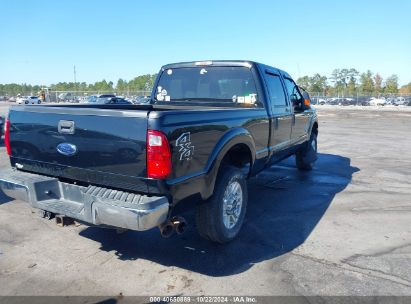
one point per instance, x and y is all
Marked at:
(341, 229)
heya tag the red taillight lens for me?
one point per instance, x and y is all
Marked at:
(158, 155)
(7, 137)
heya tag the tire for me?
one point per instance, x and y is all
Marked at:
(213, 223)
(307, 155)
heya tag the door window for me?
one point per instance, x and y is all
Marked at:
(294, 94)
(276, 90)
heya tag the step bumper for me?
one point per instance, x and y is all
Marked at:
(94, 205)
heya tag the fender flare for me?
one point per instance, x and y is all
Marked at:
(226, 142)
(314, 120)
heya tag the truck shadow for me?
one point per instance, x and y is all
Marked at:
(4, 198)
(284, 207)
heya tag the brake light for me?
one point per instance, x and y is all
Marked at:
(7, 137)
(158, 155)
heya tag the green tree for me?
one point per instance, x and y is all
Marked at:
(405, 89)
(102, 86)
(316, 84)
(142, 83)
(121, 85)
(367, 83)
(391, 84)
(378, 83)
(345, 81)
(304, 82)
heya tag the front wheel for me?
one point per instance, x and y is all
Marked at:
(307, 155)
(219, 219)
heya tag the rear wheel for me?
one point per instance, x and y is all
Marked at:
(307, 155)
(219, 219)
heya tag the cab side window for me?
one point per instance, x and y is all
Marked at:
(276, 90)
(294, 94)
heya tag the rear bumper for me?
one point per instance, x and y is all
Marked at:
(94, 205)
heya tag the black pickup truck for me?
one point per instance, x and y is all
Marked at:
(209, 126)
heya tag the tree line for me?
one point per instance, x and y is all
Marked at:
(342, 82)
(350, 82)
(139, 83)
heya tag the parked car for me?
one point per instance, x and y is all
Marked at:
(67, 97)
(333, 101)
(363, 101)
(112, 100)
(141, 100)
(33, 100)
(106, 95)
(211, 125)
(21, 99)
(90, 99)
(345, 101)
(400, 101)
(377, 101)
(29, 100)
(1, 126)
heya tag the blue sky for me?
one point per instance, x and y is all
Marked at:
(42, 40)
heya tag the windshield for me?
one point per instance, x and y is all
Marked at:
(229, 85)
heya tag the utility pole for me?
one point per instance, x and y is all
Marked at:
(74, 72)
(75, 80)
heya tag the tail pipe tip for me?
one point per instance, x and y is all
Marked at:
(176, 224)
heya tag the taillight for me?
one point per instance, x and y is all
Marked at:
(7, 137)
(158, 155)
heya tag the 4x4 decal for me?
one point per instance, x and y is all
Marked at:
(186, 149)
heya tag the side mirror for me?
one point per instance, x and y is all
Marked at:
(294, 99)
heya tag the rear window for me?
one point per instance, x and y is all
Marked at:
(227, 86)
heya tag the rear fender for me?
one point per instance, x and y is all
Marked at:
(229, 140)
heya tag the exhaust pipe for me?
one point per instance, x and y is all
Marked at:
(180, 224)
(166, 229)
(47, 214)
(176, 224)
(62, 220)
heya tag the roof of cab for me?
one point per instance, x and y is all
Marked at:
(244, 63)
(210, 62)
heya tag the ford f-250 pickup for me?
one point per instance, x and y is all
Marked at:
(209, 126)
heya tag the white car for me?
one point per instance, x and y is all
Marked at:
(400, 101)
(21, 99)
(378, 101)
(28, 100)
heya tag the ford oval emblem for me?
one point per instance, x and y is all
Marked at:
(66, 149)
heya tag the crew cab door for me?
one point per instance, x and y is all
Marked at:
(301, 115)
(281, 115)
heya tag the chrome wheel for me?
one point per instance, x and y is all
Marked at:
(232, 204)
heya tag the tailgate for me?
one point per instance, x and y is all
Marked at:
(98, 146)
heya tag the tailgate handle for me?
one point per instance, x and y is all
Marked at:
(66, 127)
